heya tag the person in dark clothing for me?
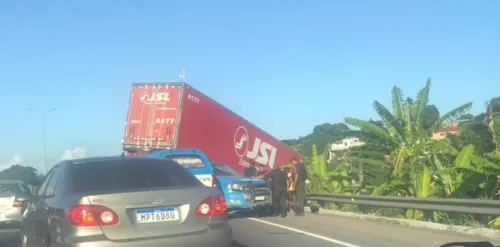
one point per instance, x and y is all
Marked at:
(260, 170)
(251, 171)
(300, 186)
(277, 179)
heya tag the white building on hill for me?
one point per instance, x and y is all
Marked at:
(344, 145)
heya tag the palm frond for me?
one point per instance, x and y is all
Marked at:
(397, 102)
(391, 122)
(451, 116)
(421, 103)
(444, 147)
(408, 124)
(464, 157)
(494, 156)
(371, 128)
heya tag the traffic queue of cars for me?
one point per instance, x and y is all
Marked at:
(175, 195)
(120, 201)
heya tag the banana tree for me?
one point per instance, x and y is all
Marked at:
(408, 144)
(318, 162)
(340, 179)
(493, 120)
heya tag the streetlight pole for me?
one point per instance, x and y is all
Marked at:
(44, 134)
(75, 146)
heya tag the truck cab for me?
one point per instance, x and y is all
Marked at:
(242, 194)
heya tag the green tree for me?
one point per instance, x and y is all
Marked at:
(430, 116)
(475, 131)
(493, 120)
(322, 135)
(26, 174)
(291, 142)
(406, 141)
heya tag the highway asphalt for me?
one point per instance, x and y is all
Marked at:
(322, 231)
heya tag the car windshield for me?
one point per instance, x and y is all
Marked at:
(129, 174)
(224, 170)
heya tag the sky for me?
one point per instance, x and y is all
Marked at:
(284, 65)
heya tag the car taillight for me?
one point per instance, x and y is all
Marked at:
(212, 206)
(17, 204)
(92, 215)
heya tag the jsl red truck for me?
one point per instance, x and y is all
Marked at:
(175, 115)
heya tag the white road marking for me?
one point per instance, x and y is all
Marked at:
(310, 234)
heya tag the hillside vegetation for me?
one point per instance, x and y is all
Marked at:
(400, 157)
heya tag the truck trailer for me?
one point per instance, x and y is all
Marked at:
(175, 115)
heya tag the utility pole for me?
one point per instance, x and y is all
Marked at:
(44, 134)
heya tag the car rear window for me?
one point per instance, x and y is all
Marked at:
(188, 161)
(14, 188)
(129, 174)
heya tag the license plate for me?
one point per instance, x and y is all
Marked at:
(260, 198)
(157, 215)
(205, 179)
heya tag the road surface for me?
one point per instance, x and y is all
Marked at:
(336, 231)
(324, 231)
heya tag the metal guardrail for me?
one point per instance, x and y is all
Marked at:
(472, 206)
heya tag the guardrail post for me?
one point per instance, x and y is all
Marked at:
(429, 216)
(484, 220)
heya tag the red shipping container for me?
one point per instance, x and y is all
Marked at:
(175, 115)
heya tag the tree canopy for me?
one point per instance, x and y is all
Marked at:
(27, 174)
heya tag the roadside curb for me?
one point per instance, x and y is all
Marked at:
(478, 231)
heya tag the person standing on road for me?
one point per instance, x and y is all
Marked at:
(277, 178)
(251, 171)
(300, 185)
(290, 186)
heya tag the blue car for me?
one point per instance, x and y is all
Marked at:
(194, 160)
(242, 194)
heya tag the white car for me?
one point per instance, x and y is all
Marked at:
(14, 197)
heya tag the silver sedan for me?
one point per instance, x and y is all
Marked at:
(125, 201)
